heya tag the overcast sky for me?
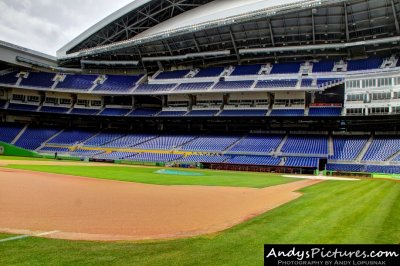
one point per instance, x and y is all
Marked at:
(47, 25)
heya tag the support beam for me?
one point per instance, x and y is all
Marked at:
(271, 33)
(396, 21)
(234, 46)
(347, 22)
(313, 24)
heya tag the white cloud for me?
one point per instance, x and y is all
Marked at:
(47, 25)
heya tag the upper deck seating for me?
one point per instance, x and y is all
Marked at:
(210, 72)
(246, 70)
(244, 112)
(364, 64)
(77, 82)
(178, 74)
(194, 86)
(9, 78)
(116, 83)
(277, 83)
(155, 87)
(234, 85)
(286, 68)
(323, 66)
(38, 79)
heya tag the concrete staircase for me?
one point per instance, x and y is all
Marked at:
(364, 150)
(19, 135)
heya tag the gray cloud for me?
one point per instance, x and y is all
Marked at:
(47, 25)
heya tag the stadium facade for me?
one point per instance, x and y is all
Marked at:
(292, 86)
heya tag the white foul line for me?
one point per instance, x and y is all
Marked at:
(26, 236)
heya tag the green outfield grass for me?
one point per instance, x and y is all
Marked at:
(17, 158)
(147, 175)
(366, 211)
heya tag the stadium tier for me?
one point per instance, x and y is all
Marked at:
(39, 80)
(52, 109)
(258, 144)
(302, 144)
(346, 148)
(9, 78)
(210, 72)
(77, 82)
(244, 112)
(254, 160)
(118, 83)
(291, 150)
(8, 132)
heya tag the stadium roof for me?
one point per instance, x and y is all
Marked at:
(200, 31)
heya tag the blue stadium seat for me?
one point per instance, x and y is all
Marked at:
(178, 74)
(154, 87)
(246, 70)
(144, 112)
(258, 144)
(210, 72)
(287, 112)
(54, 109)
(116, 83)
(277, 83)
(22, 107)
(8, 132)
(234, 85)
(84, 111)
(382, 148)
(202, 113)
(10, 78)
(325, 111)
(302, 162)
(211, 143)
(204, 159)
(77, 82)
(33, 137)
(254, 160)
(39, 79)
(155, 157)
(306, 144)
(194, 86)
(244, 112)
(364, 64)
(115, 111)
(323, 66)
(346, 148)
(72, 136)
(286, 68)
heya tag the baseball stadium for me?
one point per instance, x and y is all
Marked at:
(177, 132)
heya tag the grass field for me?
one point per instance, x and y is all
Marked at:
(147, 175)
(366, 211)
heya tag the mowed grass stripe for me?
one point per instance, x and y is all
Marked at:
(147, 175)
(330, 212)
